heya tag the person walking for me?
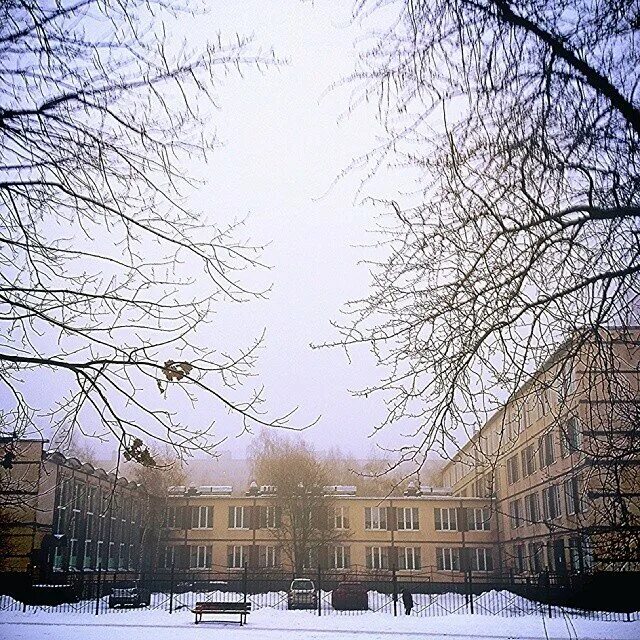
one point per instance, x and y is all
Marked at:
(407, 601)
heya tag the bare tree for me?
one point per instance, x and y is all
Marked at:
(167, 471)
(300, 477)
(522, 123)
(108, 279)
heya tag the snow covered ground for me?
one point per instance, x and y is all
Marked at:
(521, 620)
(271, 624)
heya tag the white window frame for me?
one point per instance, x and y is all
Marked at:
(340, 557)
(515, 513)
(481, 559)
(529, 500)
(551, 506)
(202, 557)
(270, 517)
(546, 453)
(239, 519)
(448, 558)
(169, 556)
(238, 556)
(172, 516)
(377, 520)
(377, 558)
(408, 519)
(528, 460)
(448, 523)
(480, 520)
(513, 469)
(270, 556)
(341, 518)
(202, 519)
(409, 559)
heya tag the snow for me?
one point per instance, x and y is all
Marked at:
(267, 623)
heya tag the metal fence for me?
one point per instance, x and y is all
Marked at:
(546, 595)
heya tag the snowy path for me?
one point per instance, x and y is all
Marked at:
(269, 624)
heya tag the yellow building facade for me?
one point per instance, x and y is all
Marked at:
(561, 462)
(422, 532)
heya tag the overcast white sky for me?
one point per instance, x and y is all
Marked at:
(285, 141)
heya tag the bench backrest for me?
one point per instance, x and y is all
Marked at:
(223, 606)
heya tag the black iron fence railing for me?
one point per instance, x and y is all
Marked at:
(602, 596)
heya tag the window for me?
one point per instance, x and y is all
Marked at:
(528, 456)
(61, 511)
(536, 555)
(479, 519)
(570, 437)
(169, 556)
(91, 501)
(377, 557)
(532, 508)
(77, 496)
(88, 560)
(544, 402)
(567, 383)
(202, 517)
(269, 518)
(515, 514)
(519, 553)
(200, 557)
(483, 487)
(408, 518)
(122, 556)
(88, 555)
(481, 559)
(58, 558)
(546, 453)
(446, 519)
(73, 553)
(340, 557)
(572, 495)
(172, 517)
(375, 518)
(268, 556)
(513, 470)
(99, 551)
(310, 558)
(341, 517)
(579, 556)
(448, 559)
(551, 502)
(238, 518)
(237, 555)
(409, 558)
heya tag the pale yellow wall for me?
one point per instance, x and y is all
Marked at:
(357, 537)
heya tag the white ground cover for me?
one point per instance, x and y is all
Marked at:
(271, 624)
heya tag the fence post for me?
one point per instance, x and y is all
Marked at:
(98, 588)
(173, 567)
(470, 591)
(319, 590)
(244, 584)
(394, 582)
(548, 585)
